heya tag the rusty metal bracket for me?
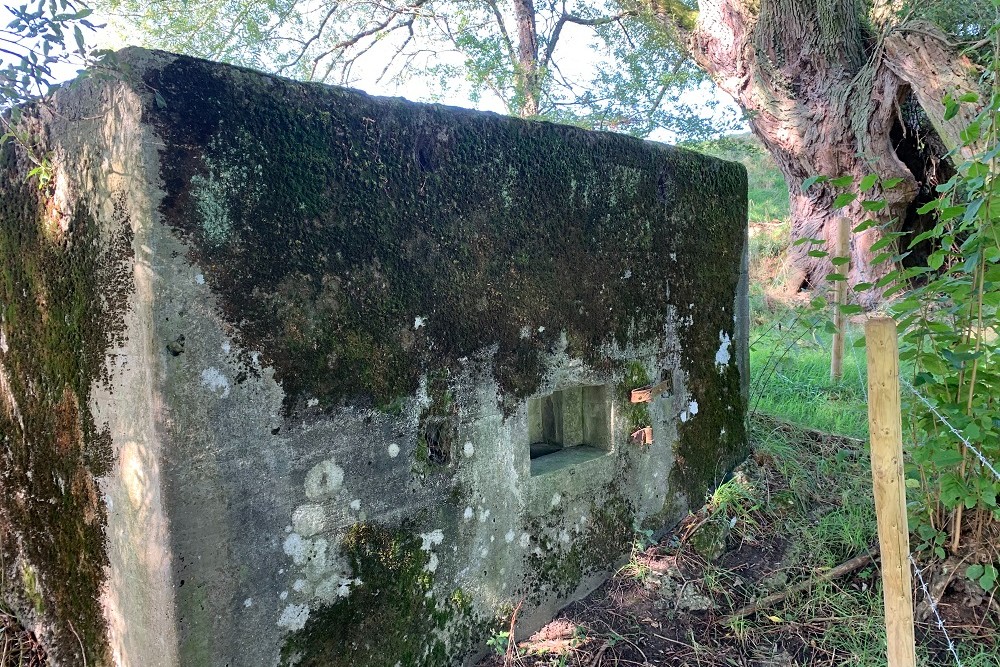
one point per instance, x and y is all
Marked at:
(645, 394)
(644, 436)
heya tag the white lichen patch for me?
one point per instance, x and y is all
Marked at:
(334, 588)
(323, 480)
(524, 541)
(393, 450)
(199, 278)
(296, 547)
(355, 504)
(691, 411)
(468, 449)
(556, 499)
(431, 539)
(469, 513)
(419, 321)
(294, 617)
(216, 382)
(248, 603)
(210, 194)
(432, 563)
(226, 177)
(722, 356)
(309, 519)
(509, 537)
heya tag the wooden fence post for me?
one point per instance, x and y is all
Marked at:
(885, 428)
(840, 299)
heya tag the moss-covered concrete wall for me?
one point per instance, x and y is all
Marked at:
(297, 328)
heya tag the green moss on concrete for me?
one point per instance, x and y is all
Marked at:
(396, 238)
(63, 297)
(561, 568)
(388, 618)
(636, 415)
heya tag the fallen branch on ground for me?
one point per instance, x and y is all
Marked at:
(770, 600)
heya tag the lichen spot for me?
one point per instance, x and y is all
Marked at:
(248, 603)
(393, 450)
(324, 479)
(355, 504)
(524, 541)
(296, 547)
(294, 617)
(200, 279)
(210, 201)
(509, 537)
(723, 355)
(419, 321)
(469, 513)
(216, 382)
(468, 450)
(556, 499)
(309, 519)
(431, 539)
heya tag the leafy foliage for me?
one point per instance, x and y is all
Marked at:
(482, 48)
(36, 47)
(39, 39)
(947, 308)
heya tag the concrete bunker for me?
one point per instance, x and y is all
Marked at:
(274, 359)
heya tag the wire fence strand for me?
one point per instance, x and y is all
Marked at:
(972, 448)
(933, 606)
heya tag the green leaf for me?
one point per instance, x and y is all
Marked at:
(867, 224)
(969, 97)
(852, 309)
(950, 107)
(834, 277)
(873, 204)
(974, 571)
(950, 212)
(840, 261)
(817, 253)
(842, 181)
(890, 183)
(861, 287)
(932, 205)
(843, 199)
(813, 180)
(989, 578)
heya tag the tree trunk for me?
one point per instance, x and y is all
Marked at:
(823, 94)
(528, 76)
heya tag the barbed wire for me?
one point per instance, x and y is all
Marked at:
(951, 428)
(933, 605)
(858, 367)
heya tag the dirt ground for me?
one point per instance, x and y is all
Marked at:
(671, 606)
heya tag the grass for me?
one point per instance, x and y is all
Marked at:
(790, 377)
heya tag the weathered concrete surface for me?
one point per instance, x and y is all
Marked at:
(267, 351)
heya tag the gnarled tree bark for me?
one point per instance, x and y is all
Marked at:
(823, 92)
